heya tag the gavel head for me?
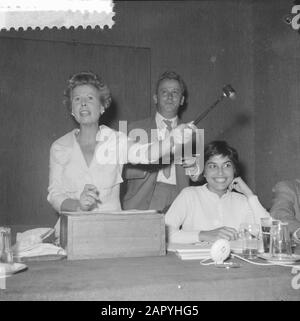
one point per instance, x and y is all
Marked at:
(229, 92)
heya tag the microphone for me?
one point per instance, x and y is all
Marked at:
(227, 92)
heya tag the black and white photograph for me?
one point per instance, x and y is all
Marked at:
(149, 154)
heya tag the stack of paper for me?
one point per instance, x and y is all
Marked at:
(196, 251)
(201, 250)
(30, 244)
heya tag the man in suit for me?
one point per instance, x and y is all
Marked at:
(156, 186)
(286, 205)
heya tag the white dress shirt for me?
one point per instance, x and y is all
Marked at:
(198, 209)
(161, 132)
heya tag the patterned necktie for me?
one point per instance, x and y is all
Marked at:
(167, 168)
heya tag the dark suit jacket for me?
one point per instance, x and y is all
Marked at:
(286, 203)
(140, 180)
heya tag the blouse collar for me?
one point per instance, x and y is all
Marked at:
(213, 194)
(98, 135)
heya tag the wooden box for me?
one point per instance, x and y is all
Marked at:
(88, 235)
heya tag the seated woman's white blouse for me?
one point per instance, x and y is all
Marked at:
(69, 172)
(198, 209)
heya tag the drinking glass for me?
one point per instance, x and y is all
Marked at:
(6, 254)
(280, 241)
(250, 234)
(266, 223)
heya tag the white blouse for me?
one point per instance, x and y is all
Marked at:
(69, 172)
(198, 209)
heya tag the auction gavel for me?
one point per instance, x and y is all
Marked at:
(227, 92)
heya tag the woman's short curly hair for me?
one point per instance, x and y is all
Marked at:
(220, 147)
(87, 78)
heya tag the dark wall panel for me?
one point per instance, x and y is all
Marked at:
(277, 97)
(33, 78)
(208, 42)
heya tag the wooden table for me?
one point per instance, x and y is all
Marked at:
(148, 278)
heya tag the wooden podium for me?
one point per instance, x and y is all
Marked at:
(91, 235)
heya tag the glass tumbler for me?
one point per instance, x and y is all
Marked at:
(280, 241)
(6, 253)
(250, 234)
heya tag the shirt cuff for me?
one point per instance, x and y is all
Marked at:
(193, 171)
(56, 201)
(296, 235)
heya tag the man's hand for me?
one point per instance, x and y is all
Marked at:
(183, 133)
(192, 168)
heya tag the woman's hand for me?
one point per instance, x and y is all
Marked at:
(89, 197)
(224, 232)
(240, 186)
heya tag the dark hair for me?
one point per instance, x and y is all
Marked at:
(87, 78)
(172, 75)
(220, 147)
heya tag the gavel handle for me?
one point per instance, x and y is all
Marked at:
(203, 115)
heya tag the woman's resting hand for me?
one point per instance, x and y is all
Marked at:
(240, 186)
(224, 232)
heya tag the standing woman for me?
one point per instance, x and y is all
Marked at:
(81, 177)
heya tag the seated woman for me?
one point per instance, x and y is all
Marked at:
(286, 205)
(216, 209)
(86, 163)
